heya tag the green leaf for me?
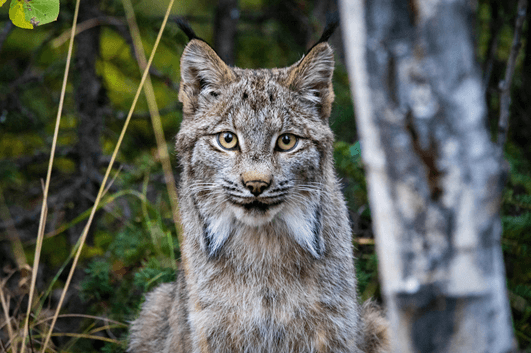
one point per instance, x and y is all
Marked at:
(40, 12)
(17, 16)
(2, 2)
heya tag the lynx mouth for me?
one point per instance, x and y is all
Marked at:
(257, 205)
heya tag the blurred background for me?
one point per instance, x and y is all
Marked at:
(132, 244)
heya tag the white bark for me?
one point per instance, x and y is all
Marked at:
(434, 175)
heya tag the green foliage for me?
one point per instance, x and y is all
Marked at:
(367, 274)
(97, 285)
(342, 119)
(115, 348)
(129, 245)
(349, 167)
(152, 274)
(516, 241)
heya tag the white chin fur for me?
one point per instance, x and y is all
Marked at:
(255, 218)
(300, 223)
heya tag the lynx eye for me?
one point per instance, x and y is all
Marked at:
(227, 140)
(286, 142)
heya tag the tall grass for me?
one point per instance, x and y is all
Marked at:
(20, 339)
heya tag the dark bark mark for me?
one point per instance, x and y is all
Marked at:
(414, 11)
(225, 23)
(391, 79)
(433, 316)
(429, 159)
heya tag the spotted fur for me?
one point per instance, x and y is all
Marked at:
(271, 272)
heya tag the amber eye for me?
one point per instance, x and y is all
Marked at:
(286, 142)
(227, 140)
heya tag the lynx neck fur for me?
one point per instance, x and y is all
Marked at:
(267, 261)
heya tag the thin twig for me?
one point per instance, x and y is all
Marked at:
(2, 345)
(85, 25)
(44, 209)
(5, 32)
(107, 172)
(505, 85)
(155, 118)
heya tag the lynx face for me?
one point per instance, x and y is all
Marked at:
(255, 144)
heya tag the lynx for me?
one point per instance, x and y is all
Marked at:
(267, 262)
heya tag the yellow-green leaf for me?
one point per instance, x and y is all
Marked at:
(2, 2)
(40, 12)
(17, 16)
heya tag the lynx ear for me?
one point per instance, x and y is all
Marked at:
(312, 78)
(201, 70)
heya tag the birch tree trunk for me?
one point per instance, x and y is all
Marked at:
(434, 176)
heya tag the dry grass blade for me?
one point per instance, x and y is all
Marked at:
(104, 319)
(84, 335)
(44, 208)
(104, 182)
(5, 308)
(155, 116)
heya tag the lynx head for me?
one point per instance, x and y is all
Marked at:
(255, 145)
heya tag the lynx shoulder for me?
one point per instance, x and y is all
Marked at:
(267, 261)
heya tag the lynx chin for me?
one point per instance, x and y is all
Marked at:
(267, 262)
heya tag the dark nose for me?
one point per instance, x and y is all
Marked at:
(256, 181)
(256, 187)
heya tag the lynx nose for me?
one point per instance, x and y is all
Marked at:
(256, 182)
(256, 187)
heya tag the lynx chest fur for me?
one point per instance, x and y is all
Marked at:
(266, 257)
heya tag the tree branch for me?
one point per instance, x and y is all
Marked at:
(5, 32)
(505, 85)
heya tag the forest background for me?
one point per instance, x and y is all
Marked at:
(133, 243)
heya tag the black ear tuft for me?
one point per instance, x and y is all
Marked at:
(185, 27)
(332, 21)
